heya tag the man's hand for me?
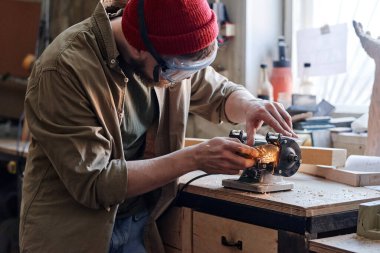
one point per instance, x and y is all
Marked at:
(242, 107)
(223, 155)
(272, 113)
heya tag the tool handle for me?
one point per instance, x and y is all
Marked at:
(238, 244)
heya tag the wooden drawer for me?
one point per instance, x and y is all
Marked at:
(208, 231)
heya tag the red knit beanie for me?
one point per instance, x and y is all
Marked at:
(174, 27)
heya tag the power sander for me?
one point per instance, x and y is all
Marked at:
(277, 156)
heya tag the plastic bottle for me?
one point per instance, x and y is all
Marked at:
(281, 76)
(306, 85)
(265, 90)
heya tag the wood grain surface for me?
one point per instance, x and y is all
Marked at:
(310, 196)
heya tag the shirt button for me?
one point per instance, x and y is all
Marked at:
(113, 62)
(126, 80)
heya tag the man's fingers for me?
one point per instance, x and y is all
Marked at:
(270, 120)
(239, 161)
(238, 156)
(235, 146)
(273, 110)
(275, 120)
(285, 115)
(251, 131)
(249, 152)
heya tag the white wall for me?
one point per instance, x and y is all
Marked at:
(263, 26)
(258, 25)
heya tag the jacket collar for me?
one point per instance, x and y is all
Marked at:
(104, 35)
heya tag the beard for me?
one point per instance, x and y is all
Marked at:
(138, 68)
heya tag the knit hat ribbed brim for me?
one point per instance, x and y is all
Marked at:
(174, 27)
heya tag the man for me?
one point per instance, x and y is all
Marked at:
(107, 106)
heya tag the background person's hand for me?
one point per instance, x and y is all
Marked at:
(370, 44)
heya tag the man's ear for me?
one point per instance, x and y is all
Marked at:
(144, 54)
(135, 53)
(138, 54)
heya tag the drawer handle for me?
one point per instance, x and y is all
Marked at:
(238, 244)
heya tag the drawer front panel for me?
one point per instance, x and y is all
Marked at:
(221, 235)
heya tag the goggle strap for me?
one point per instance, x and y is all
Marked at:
(156, 73)
(145, 38)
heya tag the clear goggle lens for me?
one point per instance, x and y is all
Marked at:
(179, 68)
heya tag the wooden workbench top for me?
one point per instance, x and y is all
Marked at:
(345, 244)
(311, 196)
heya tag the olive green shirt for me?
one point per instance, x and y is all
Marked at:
(140, 112)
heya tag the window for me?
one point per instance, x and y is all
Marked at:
(354, 87)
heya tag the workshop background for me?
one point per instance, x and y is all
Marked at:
(259, 40)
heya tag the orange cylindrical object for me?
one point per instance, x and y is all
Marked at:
(282, 81)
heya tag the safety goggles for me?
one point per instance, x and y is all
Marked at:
(180, 68)
(172, 69)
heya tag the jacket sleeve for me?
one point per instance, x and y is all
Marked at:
(63, 122)
(209, 93)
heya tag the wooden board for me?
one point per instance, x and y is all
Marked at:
(323, 156)
(311, 195)
(354, 143)
(345, 244)
(209, 229)
(349, 177)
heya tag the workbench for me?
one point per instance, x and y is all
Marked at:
(345, 244)
(206, 212)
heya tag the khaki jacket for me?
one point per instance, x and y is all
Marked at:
(76, 174)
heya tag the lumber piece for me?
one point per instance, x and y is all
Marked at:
(349, 177)
(323, 156)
